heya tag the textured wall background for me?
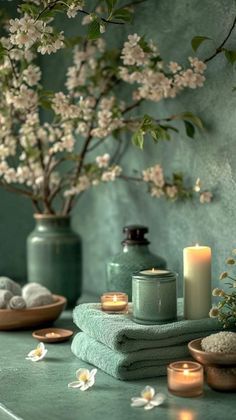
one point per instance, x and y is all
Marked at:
(102, 212)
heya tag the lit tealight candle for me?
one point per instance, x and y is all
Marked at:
(185, 379)
(114, 302)
(197, 282)
(52, 335)
(154, 272)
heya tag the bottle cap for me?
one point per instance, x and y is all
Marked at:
(135, 235)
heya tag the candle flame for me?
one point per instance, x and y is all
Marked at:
(114, 298)
(153, 269)
(186, 371)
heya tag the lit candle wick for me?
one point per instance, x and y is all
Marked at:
(153, 269)
(114, 298)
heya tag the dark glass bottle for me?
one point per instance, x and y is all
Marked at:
(135, 256)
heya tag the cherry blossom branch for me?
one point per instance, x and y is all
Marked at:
(51, 6)
(219, 49)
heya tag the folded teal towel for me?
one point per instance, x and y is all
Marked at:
(139, 364)
(120, 333)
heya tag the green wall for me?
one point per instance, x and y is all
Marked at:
(102, 212)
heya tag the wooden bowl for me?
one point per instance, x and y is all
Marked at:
(210, 358)
(31, 317)
(52, 335)
(220, 368)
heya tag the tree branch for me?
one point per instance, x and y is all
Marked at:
(219, 49)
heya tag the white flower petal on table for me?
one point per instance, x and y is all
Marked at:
(158, 399)
(149, 406)
(37, 354)
(85, 386)
(138, 402)
(75, 384)
(93, 373)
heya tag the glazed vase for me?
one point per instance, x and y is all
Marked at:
(54, 256)
(134, 256)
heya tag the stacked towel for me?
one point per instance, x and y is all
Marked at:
(127, 350)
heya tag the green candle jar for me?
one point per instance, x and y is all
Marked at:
(154, 296)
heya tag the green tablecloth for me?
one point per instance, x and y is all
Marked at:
(38, 391)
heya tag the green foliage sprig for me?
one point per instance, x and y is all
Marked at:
(225, 310)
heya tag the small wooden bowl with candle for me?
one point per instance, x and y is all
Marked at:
(114, 302)
(52, 335)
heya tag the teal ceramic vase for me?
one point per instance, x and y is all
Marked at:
(54, 256)
(135, 256)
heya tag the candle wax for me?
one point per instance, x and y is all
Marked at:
(197, 282)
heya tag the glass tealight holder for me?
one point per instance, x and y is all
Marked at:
(185, 379)
(114, 302)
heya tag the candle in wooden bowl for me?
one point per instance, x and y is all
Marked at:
(114, 302)
(197, 282)
(185, 379)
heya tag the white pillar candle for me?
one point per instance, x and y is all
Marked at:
(197, 282)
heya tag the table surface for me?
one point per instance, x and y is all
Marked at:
(30, 391)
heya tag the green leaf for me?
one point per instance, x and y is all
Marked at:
(110, 5)
(230, 55)
(197, 41)
(122, 14)
(138, 138)
(188, 116)
(189, 128)
(94, 29)
(30, 9)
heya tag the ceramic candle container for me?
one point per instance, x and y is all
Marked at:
(185, 379)
(114, 302)
(154, 296)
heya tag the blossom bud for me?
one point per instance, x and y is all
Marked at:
(230, 261)
(214, 312)
(216, 292)
(223, 275)
(102, 28)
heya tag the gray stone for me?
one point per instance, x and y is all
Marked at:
(5, 296)
(17, 303)
(12, 286)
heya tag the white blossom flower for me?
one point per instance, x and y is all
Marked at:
(149, 399)
(154, 174)
(198, 65)
(31, 75)
(103, 161)
(206, 197)
(37, 354)
(156, 192)
(111, 174)
(74, 7)
(86, 20)
(171, 191)
(86, 379)
(174, 67)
